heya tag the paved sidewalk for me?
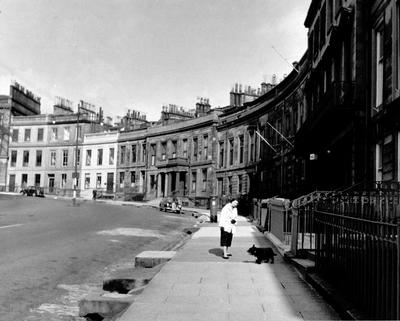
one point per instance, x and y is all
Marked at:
(197, 284)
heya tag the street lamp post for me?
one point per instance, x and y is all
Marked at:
(76, 160)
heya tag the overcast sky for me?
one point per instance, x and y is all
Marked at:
(141, 54)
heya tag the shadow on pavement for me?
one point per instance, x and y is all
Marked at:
(216, 251)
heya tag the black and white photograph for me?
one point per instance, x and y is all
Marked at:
(227, 160)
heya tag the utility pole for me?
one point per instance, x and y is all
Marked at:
(76, 160)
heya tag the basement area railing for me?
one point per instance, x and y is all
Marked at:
(357, 246)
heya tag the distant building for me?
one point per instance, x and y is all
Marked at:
(132, 162)
(175, 159)
(236, 156)
(203, 107)
(42, 149)
(133, 120)
(20, 102)
(99, 163)
(63, 106)
(240, 95)
(23, 102)
(172, 113)
(5, 119)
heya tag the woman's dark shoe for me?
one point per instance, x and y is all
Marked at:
(229, 254)
(225, 257)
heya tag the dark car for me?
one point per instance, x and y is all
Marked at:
(171, 205)
(33, 191)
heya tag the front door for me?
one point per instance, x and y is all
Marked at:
(24, 180)
(163, 184)
(181, 185)
(51, 183)
(37, 180)
(219, 187)
(173, 183)
(143, 181)
(110, 182)
(11, 184)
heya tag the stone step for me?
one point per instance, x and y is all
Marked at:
(304, 265)
(104, 304)
(122, 285)
(149, 259)
(125, 280)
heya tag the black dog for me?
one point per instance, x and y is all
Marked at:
(262, 254)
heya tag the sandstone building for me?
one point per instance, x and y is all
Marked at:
(43, 148)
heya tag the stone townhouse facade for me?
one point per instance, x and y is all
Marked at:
(237, 155)
(42, 151)
(99, 163)
(352, 92)
(132, 161)
(383, 100)
(20, 101)
(338, 111)
(269, 126)
(175, 159)
(335, 131)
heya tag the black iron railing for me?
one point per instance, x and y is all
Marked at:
(357, 246)
(303, 230)
(377, 201)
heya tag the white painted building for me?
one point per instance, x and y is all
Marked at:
(99, 163)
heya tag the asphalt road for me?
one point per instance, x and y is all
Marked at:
(52, 253)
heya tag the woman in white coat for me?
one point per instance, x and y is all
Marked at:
(227, 224)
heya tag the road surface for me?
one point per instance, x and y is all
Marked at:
(52, 253)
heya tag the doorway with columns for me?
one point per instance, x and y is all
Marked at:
(172, 183)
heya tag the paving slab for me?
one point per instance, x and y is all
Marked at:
(198, 284)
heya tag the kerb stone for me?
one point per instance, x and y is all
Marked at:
(105, 304)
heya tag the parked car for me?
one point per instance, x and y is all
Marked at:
(33, 191)
(171, 205)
